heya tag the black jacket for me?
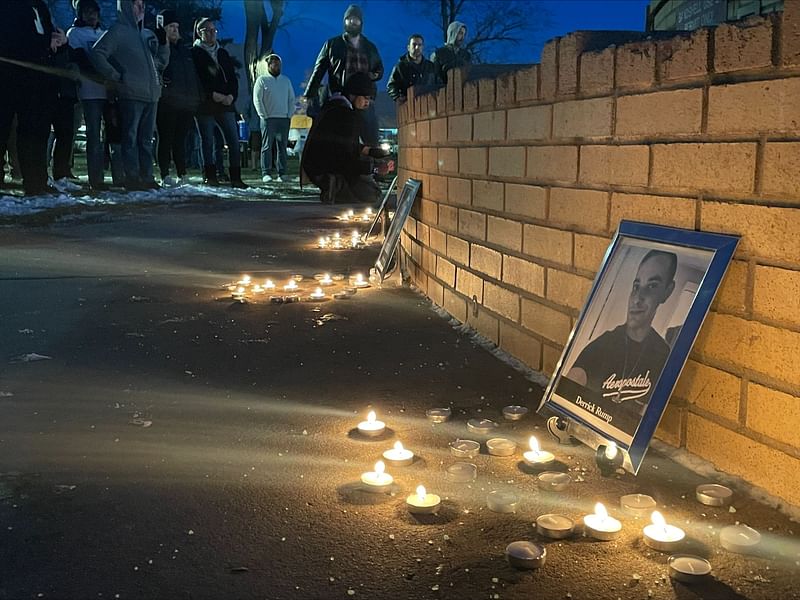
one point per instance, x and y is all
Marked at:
(449, 57)
(217, 76)
(181, 84)
(332, 60)
(20, 40)
(406, 73)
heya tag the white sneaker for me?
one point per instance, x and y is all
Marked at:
(169, 181)
(65, 185)
(283, 178)
(266, 179)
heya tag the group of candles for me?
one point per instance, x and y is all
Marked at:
(248, 289)
(350, 216)
(339, 242)
(658, 534)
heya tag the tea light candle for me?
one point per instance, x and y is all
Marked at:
(276, 299)
(739, 538)
(257, 289)
(291, 298)
(298, 278)
(661, 536)
(501, 447)
(553, 481)
(326, 280)
(377, 480)
(322, 243)
(600, 525)
(269, 284)
(371, 427)
(348, 216)
(317, 294)
(535, 457)
(438, 415)
(238, 293)
(423, 503)
(556, 527)
(464, 448)
(637, 505)
(713, 494)
(502, 501)
(359, 281)
(342, 296)
(291, 286)
(462, 472)
(514, 413)
(687, 568)
(481, 426)
(399, 456)
(245, 280)
(526, 555)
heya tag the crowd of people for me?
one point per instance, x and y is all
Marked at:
(145, 93)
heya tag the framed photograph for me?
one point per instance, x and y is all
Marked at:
(404, 203)
(630, 343)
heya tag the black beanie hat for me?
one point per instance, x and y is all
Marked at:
(360, 84)
(82, 5)
(168, 16)
(354, 10)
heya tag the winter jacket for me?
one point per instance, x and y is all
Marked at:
(406, 73)
(332, 60)
(182, 89)
(215, 76)
(333, 144)
(26, 38)
(451, 56)
(131, 57)
(81, 39)
(273, 97)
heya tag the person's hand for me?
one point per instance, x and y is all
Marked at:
(227, 100)
(217, 97)
(57, 39)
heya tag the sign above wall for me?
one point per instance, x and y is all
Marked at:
(639, 323)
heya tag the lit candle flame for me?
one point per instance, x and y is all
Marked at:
(380, 467)
(322, 242)
(359, 278)
(600, 511)
(246, 279)
(421, 492)
(534, 443)
(350, 213)
(371, 417)
(611, 450)
(269, 284)
(398, 446)
(659, 521)
(240, 290)
(337, 235)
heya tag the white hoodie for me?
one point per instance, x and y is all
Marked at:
(83, 38)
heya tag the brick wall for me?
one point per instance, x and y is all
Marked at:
(526, 177)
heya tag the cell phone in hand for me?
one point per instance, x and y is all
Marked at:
(160, 21)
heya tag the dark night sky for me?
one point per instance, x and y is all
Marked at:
(389, 22)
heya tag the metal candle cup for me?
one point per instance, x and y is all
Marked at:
(378, 480)
(553, 481)
(637, 505)
(399, 456)
(371, 427)
(502, 501)
(514, 412)
(661, 536)
(556, 527)
(464, 448)
(526, 555)
(438, 415)
(687, 568)
(713, 494)
(462, 472)
(481, 426)
(739, 538)
(600, 525)
(423, 503)
(501, 447)
(359, 282)
(536, 458)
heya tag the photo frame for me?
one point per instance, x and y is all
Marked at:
(634, 334)
(405, 201)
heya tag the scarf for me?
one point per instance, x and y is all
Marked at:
(212, 50)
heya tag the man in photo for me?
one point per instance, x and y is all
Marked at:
(623, 365)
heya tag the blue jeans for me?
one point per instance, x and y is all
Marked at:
(138, 123)
(95, 148)
(227, 124)
(274, 133)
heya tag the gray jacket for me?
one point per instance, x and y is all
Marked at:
(131, 57)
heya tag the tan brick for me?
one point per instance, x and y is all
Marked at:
(441, 101)
(486, 96)
(423, 233)
(430, 160)
(663, 210)
(661, 113)
(505, 90)
(732, 294)
(777, 294)
(487, 194)
(408, 135)
(470, 95)
(472, 161)
(435, 291)
(485, 260)
(597, 72)
(710, 389)
(774, 414)
(501, 301)
(458, 249)
(437, 188)
(485, 324)
(683, 56)
(489, 125)
(507, 161)
(469, 284)
(428, 211)
(550, 357)
(459, 128)
(428, 261)
(543, 243)
(568, 50)
(745, 44)
(527, 83)
(615, 165)
(472, 224)
(589, 251)
(521, 345)
(527, 200)
(781, 179)
(411, 158)
(586, 210)
(459, 191)
(416, 253)
(448, 160)
(636, 65)
(670, 426)
(446, 271)
(438, 240)
(448, 218)
(455, 305)
(712, 167)
(523, 274)
(548, 70)
(530, 122)
(439, 130)
(755, 107)
(432, 109)
(567, 289)
(583, 118)
(736, 454)
(455, 94)
(767, 232)
(504, 233)
(790, 34)
(552, 163)
(547, 322)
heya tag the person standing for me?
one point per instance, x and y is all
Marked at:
(220, 88)
(180, 100)
(274, 98)
(452, 55)
(343, 56)
(131, 58)
(413, 69)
